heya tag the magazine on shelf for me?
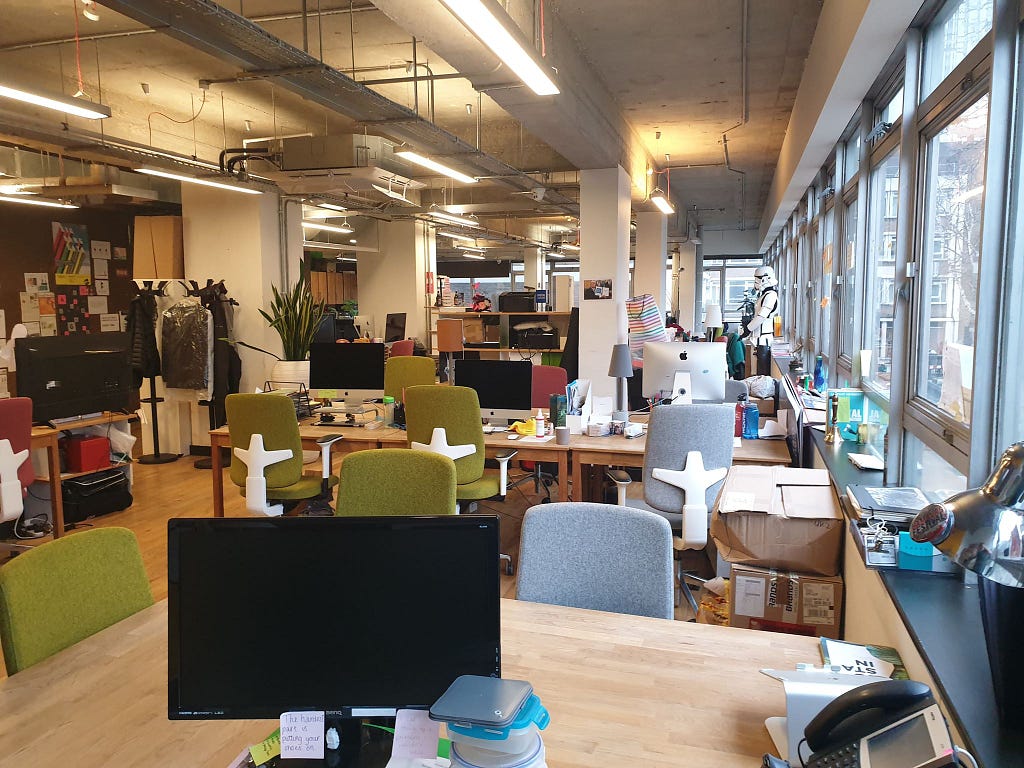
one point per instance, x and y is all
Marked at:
(896, 504)
(863, 659)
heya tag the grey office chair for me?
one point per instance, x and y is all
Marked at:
(676, 436)
(599, 556)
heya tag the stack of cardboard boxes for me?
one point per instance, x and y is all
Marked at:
(782, 531)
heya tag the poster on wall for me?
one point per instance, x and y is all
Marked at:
(71, 257)
(72, 313)
(597, 289)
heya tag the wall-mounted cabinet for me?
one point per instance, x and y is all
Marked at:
(334, 287)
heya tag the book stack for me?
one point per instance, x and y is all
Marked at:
(897, 505)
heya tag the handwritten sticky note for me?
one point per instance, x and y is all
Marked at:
(269, 748)
(302, 735)
(415, 734)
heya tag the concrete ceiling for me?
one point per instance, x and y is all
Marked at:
(627, 72)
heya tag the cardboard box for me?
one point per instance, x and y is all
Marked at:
(779, 517)
(781, 601)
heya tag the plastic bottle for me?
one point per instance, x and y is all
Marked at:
(819, 373)
(389, 410)
(741, 404)
(751, 417)
(540, 426)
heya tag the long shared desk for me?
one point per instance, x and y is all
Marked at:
(621, 690)
(582, 451)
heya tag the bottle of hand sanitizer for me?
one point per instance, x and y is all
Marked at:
(540, 427)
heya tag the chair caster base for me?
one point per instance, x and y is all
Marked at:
(510, 569)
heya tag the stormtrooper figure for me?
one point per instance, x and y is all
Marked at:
(762, 326)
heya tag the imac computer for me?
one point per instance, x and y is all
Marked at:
(504, 387)
(394, 327)
(350, 372)
(364, 326)
(704, 361)
(352, 616)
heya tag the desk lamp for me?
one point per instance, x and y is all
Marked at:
(620, 368)
(713, 321)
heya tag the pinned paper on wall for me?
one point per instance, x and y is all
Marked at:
(102, 287)
(110, 322)
(415, 734)
(3, 324)
(100, 267)
(4, 392)
(302, 735)
(120, 253)
(33, 328)
(97, 305)
(47, 304)
(48, 325)
(36, 282)
(29, 307)
(100, 249)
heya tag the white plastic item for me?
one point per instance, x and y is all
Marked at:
(256, 459)
(11, 503)
(467, 756)
(519, 741)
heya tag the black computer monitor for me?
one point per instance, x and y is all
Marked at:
(346, 371)
(353, 616)
(69, 376)
(394, 327)
(504, 387)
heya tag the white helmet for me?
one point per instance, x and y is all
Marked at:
(764, 277)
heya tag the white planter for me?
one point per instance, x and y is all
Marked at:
(291, 371)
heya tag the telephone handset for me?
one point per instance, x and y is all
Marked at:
(887, 724)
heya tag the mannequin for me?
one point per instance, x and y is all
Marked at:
(762, 326)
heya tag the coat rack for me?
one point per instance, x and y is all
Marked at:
(156, 457)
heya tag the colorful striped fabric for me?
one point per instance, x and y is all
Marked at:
(645, 323)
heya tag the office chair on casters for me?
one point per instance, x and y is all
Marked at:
(16, 473)
(407, 371)
(450, 339)
(598, 556)
(265, 439)
(546, 380)
(446, 420)
(396, 481)
(688, 452)
(402, 348)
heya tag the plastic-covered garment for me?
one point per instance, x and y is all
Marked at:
(187, 342)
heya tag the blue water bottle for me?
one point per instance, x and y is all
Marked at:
(750, 421)
(819, 373)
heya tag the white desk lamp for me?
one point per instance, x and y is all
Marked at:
(713, 322)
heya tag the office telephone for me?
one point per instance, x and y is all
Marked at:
(886, 724)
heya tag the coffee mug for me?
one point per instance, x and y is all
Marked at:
(562, 435)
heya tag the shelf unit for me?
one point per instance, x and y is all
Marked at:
(115, 421)
(495, 326)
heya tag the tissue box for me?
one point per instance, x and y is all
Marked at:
(599, 428)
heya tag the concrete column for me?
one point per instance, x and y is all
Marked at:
(687, 297)
(533, 268)
(393, 279)
(649, 269)
(604, 214)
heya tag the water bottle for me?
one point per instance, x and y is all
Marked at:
(819, 373)
(741, 404)
(389, 410)
(751, 417)
(540, 428)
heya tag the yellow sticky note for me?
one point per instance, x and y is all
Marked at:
(327, 394)
(843, 411)
(269, 748)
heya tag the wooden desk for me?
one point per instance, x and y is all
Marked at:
(621, 690)
(356, 439)
(45, 438)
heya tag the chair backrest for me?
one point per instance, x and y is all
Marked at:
(407, 371)
(547, 380)
(598, 556)
(675, 430)
(402, 348)
(273, 416)
(396, 481)
(66, 590)
(16, 426)
(450, 336)
(457, 409)
(733, 389)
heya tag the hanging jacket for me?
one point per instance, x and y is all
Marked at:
(141, 327)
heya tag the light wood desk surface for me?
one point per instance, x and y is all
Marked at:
(621, 690)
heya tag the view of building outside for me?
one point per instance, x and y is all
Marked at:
(951, 36)
(883, 208)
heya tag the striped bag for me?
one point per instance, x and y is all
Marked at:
(645, 323)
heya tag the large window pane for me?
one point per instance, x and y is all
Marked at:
(893, 111)
(712, 293)
(851, 157)
(879, 303)
(827, 277)
(949, 280)
(927, 470)
(959, 27)
(848, 331)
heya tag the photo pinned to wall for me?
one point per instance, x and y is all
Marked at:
(597, 289)
(37, 282)
(120, 253)
(29, 307)
(47, 304)
(48, 325)
(71, 256)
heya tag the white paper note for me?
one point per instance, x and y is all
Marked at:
(97, 305)
(302, 735)
(48, 325)
(100, 267)
(110, 322)
(100, 250)
(29, 307)
(415, 734)
(749, 596)
(4, 392)
(36, 282)
(3, 324)
(102, 287)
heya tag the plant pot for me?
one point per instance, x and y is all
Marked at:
(291, 371)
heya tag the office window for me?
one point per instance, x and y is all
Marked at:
(958, 27)
(881, 270)
(851, 157)
(924, 468)
(893, 109)
(828, 269)
(954, 198)
(712, 293)
(848, 338)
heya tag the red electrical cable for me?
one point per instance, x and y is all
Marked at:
(78, 54)
(543, 44)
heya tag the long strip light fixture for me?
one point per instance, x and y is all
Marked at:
(68, 104)
(483, 22)
(392, 194)
(341, 230)
(475, 256)
(445, 216)
(661, 201)
(569, 246)
(433, 165)
(33, 200)
(456, 236)
(194, 180)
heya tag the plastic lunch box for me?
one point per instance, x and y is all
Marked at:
(514, 739)
(464, 755)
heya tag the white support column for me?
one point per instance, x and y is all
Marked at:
(604, 214)
(533, 268)
(649, 268)
(687, 297)
(392, 280)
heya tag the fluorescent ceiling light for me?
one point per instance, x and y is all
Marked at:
(556, 254)
(475, 256)
(659, 199)
(482, 22)
(68, 104)
(456, 236)
(14, 189)
(392, 194)
(445, 216)
(327, 227)
(332, 206)
(194, 180)
(471, 248)
(426, 162)
(570, 247)
(32, 200)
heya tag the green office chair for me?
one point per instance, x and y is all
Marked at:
(446, 420)
(407, 371)
(396, 481)
(265, 434)
(66, 590)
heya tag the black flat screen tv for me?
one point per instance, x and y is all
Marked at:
(353, 616)
(69, 376)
